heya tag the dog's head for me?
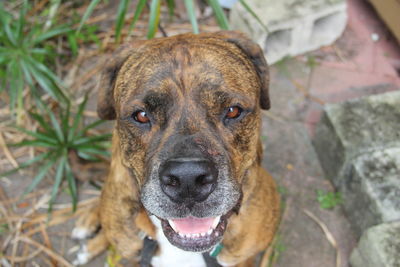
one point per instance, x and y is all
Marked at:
(187, 112)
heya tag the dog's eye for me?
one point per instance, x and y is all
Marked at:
(233, 112)
(141, 116)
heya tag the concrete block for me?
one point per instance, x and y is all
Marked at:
(378, 246)
(294, 26)
(371, 191)
(358, 145)
(356, 127)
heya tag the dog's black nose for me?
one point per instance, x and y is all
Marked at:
(188, 180)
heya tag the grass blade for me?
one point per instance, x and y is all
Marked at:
(87, 14)
(219, 14)
(40, 157)
(192, 15)
(92, 139)
(122, 8)
(77, 119)
(138, 12)
(57, 181)
(90, 126)
(34, 143)
(154, 18)
(51, 33)
(44, 124)
(171, 8)
(38, 135)
(73, 43)
(71, 185)
(39, 177)
(250, 10)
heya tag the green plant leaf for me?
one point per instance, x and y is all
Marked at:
(38, 135)
(50, 132)
(21, 21)
(77, 119)
(171, 8)
(39, 177)
(34, 143)
(190, 9)
(154, 18)
(250, 10)
(219, 14)
(93, 150)
(139, 8)
(71, 185)
(92, 139)
(12, 39)
(122, 8)
(90, 126)
(51, 34)
(56, 126)
(73, 43)
(57, 180)
(40, 157)
(87, 13)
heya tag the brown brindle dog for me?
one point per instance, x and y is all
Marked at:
(186, 152)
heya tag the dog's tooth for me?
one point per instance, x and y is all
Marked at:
(181, 235)
(210, 232)
(188, 235)
(216, 234)
(216, 222)
(172, 224)
(203, 234)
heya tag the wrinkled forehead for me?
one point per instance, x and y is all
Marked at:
(186, 69)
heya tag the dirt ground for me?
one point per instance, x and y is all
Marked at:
(308, 236)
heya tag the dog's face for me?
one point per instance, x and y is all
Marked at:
(187, 112)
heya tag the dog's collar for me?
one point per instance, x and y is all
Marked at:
(216, 250)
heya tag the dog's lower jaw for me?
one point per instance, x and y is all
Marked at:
(171, 255)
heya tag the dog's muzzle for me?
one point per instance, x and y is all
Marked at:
(188, 180)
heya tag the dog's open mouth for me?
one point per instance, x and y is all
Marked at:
(195, 234)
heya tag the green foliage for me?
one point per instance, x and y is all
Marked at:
(56, 137)
(278, 247)
(155, 13)
(25, 55)
(328, 200)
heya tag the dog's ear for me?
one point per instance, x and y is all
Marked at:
(256, 55)
(105, 100)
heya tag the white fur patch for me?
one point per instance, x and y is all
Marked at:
(80, 233)
(171, 255)
(82, 257)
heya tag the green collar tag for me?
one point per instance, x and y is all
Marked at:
(217, 249)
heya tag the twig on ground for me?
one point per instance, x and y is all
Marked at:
(7, 152)
(328, 235)
(49, 252)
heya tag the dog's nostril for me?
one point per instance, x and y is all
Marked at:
(170, 180)
(204, 179)
(173, 181)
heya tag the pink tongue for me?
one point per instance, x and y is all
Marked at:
(192, 225)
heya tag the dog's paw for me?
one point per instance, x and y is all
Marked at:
(82, 256)
(82, 233)
(89, 247)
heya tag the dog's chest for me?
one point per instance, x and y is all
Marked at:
(172, 256)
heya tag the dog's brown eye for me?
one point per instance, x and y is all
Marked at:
(141, 116)
(233, 112)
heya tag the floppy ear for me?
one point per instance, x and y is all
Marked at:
(105, 100)
(256, 56)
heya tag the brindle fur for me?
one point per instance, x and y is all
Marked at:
(186, 83)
